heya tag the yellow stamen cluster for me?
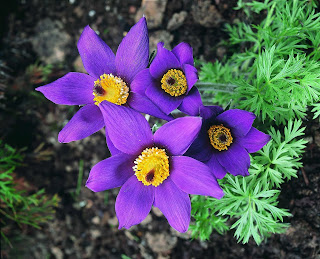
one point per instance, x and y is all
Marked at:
(110, 88)
(174, 82)
(220, 137)
(152, 166)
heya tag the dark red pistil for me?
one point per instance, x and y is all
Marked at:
(171, 81)
(223, 138)
(98, 90)
(150, 176)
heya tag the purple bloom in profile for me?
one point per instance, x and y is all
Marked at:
(111, 78)
(169, 82)
(151, 168)
(225, 139)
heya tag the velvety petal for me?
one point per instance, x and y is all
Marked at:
(208, 112)
(134, 202)
(177, 135)
(254, 140)
(235, 160)
(163, 61)
(192, 103)
(97, 57)
(111, 173)
(183, 52)
(141, 81)
(218, 170)
(142, 104)
(194, 177)
(191, 75)
(133, 52)
(128, 130)
(239, 121)
(71, 89)
(84, 123)
(164, 101)
(113, 150)
(174, 204)
(201, 148)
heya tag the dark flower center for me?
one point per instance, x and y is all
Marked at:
(150, 176)
(223, 138)
(98, 90)
(171, 81)
(174, 82)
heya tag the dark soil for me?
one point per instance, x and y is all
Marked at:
(37, 33)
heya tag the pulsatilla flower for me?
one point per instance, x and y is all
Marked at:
(225, 139)
(151, 168)
(111, 78)
(169, 82)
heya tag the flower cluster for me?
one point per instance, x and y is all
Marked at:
(184, 156)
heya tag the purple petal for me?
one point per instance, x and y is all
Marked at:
(113, 150)
(97, 57)
(218, 170)
(176, 136)
(174, 204)
(183, 52)
(128, 130)
(201, 148)
(191, 75)
(254, 140)
(142, 104)
(71, 89)
(141, 81)
(84, 123)
(134, 202)
(239, 121)
(194, 177)
(208, 112)
(163, 100)
(133, 52)
(235, 160)
(110, 173)
(163, 61)
(192, 103)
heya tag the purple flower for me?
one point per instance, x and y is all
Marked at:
(111, 78)
(151, 168)
(169, 82)
(225, 139)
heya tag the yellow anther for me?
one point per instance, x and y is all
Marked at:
(220, 137)
(174, 82)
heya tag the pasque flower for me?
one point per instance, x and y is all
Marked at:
(151, 168)
(111, 78)
(169, 82)
(225, 139)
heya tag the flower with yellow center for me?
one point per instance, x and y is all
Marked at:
(174, 82)
(152, 166)
(220, 137)
(110, 88)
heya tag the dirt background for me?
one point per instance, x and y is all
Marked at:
(38, 45)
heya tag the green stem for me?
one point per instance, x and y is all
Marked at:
(207, 86)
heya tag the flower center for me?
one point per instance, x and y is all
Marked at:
(152, 166)
(174, 82)
(220, 137)
(110, 88)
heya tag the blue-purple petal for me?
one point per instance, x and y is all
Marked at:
(191, 75)
(163, 61)
(71, 89)
(96, 55)
(110, 173)
(176, 136)
(217, 169)
(254, 140)
(235, 160)
(210, 112)
(174, 204)
(84, 123)
(134, 202)
(239, 121)
(113, 150)
(194, 177)
(142, 104)
(128, 130)
(184, 53)
(133, 52)
(192, 103)
(141, 81)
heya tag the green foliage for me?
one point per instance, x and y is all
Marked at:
(277, 77)
(17, 205)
